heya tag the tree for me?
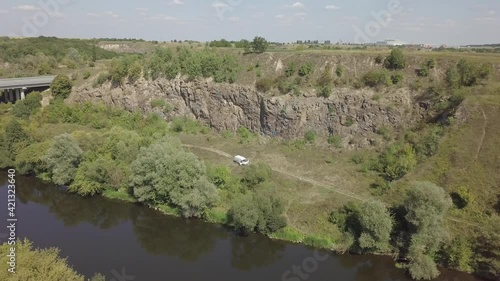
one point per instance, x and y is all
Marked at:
(37, 264)
(61, 87)
(262, 212)
(376, 226)
(396, 60)
(24, 108)
(92, 177)
(14, 140)
(397, 161)
(259, 44)
(453, 77)
(165, 174)
(63, 159)
(256, 174)
(425, 205)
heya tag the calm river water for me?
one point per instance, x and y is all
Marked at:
(115, 238)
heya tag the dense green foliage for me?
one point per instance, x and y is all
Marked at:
(425, 205)
(220, 43)
(259, 44)
(206, 63)
(61, 87)
(37, 264)
(63, 159)
(396, 60)
(165, 174)
(257, 212)
(24, 108)
(376, 225)
(376, 78)
(397, 161)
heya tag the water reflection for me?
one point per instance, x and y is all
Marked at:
(254, 251)
(100, 234)
(188, 240)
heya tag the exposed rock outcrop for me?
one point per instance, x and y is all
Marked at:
(355, 115)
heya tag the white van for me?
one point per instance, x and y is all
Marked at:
(241, 160)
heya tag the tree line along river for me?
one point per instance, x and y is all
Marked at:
(113, 237)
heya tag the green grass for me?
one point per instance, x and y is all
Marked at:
(288, 233)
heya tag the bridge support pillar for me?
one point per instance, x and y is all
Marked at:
(23, 96)
(18, 94)
(11, 95)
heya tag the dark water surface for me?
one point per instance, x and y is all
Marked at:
(111, 237)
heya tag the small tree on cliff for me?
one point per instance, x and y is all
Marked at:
(61, 87)
(259, 44)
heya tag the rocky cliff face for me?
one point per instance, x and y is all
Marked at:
(355, 115)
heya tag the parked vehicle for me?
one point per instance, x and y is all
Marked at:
(241, 160)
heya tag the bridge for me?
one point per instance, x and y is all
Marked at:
(17, 88)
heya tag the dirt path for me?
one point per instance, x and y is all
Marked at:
(483, 136)
(311, 181)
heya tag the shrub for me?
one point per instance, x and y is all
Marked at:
(423, 71)
(244, 134)
(86, 75)
(431, 64)
(325, 91)
(101, 79)
(397, 161)
(396, 60)
(61, 87)
(310, 136)
(24, 108)
(259, 44)
(336, 141)
(376, 78)
(375, 223)
(165, 174)
(339, 71)
(63, 159)
(384, 132)
(379, 59)
(264, 85)
(256, 174)
(397, 78)
(291, 69)
(306, 69)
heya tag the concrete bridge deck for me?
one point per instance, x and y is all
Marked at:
(14, 89)
(26, 82)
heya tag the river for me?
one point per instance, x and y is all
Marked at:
(128, 242)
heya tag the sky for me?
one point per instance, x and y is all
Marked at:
(436, 22)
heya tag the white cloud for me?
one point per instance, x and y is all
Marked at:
(492, 12)
(297, 5)
(111, 14)
(332, 7)
(162, 18)
(94, 15)
(27, 8)
(176, 2)
(4, 11)
(233, 19)
(219, 5)
(279, 16)
(300, 14)
(142, 9)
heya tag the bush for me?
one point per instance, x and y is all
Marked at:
(423, 267)
(102, 78)
(164, 174)
(423, 71)
(92, 178)
(291, 69)
(86, 75)
(375, 223)
(396, 60)
(264, 85)
(376, 78)
(379, 59)
(339, 71)
(397, 161)
(306, 69)
(259, 44)
(260, 212)
(325, 91)
(25, 108)
(310, 136)
(63, 159)
(256, 174)
(336, 141)
(61, 87)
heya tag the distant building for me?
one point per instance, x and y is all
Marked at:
(390, 42)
